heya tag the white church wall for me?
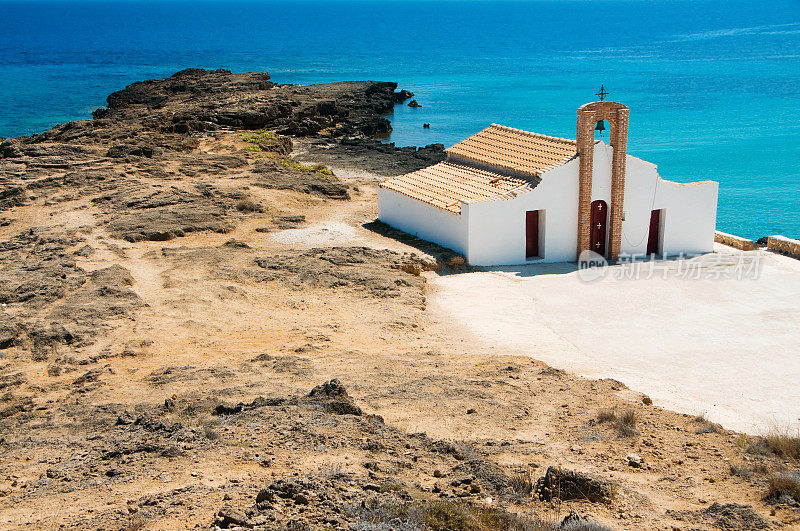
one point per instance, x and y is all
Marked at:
(423, 220)
(688, 211)
(497, 228)
(690, 216)
(641, 183)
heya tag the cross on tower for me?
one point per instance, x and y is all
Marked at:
(602, 93)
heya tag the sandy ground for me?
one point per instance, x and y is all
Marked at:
(723, 346)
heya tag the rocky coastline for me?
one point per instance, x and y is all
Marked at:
(203, 326)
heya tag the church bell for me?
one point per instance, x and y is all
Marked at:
(600, 126)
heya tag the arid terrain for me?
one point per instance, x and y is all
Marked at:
(201, 326)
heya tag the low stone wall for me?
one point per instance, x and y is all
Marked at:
(734, 241)
(782, 244)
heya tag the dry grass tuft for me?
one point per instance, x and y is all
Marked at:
(709, 427)
(779, 442)
(607, 415)
(522, 484)
(784, 445)
(783, 485)
(248, 206)
(625, 422)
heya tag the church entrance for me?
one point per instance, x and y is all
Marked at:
(597, 239)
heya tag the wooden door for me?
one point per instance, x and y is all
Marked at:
(531, 234)
(597, 238)
(652, 238)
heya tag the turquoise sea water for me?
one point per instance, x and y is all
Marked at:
(713, 86)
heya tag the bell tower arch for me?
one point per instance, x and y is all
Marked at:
(616, 114)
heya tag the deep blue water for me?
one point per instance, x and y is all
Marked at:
(713, 86)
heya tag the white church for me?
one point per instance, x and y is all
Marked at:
(508, 197)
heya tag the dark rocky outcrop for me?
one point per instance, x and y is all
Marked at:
(118, 152)
(10, 149)
(225, 409)
(228, 517)
(402, 96)
(333, 397)
(12, 196)
(570, 485)
(197, 100)
(161, 119)
(10, 330)
(724, 516)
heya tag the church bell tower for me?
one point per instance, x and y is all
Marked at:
(616, 114)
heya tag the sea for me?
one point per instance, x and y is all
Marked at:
(713, 85)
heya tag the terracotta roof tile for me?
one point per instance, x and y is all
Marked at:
(514, 149)
(446, 184)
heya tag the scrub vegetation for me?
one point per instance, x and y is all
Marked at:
(624, 422)
(778, 442)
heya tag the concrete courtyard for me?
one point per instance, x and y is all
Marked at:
(718, 334)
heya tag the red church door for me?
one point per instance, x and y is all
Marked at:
(532, 234)
(652, 238)
(597, 238)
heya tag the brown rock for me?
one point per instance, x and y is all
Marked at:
(569, 485)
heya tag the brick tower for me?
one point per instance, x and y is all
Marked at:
(616, 115)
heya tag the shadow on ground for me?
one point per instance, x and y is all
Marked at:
(451, 261)
(534, 269)
(450, 258)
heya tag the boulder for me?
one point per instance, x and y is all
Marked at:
(403, 95)
(9, 149)
(570, 485)
(331, 389)
(634, 460)
(228, 517)
(334, 398)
